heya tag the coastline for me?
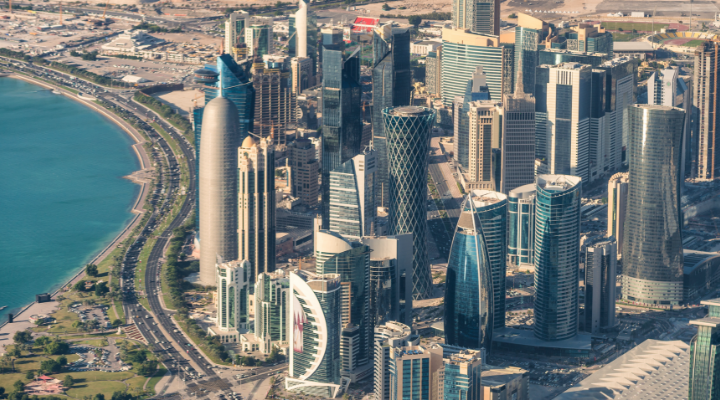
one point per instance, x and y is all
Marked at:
(137, 206)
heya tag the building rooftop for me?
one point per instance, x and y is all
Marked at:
(632, 46)
(483, 198)
(557, 182)
(523, 192)
(496, 376)
(692, 259)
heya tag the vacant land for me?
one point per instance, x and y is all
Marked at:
(629, 26)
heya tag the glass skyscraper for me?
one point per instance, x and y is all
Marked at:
(469, 286)
(557, 256)
(652, 252)
(600, 285)
(529, 33)
(272, 314)
(352, 196)
(463, 372)
(704, 381)
(408, 139)
(521, 226)
(392, 84)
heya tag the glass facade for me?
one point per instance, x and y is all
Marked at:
(259, 40)
(557, 256)
(521, 226)
(460, 60)
(704, 379)
(526, 56)
(462, 377)
(555, 57)
(469, 286)
(352, 196)
(652, 252)
(408, 139)
(271, 308)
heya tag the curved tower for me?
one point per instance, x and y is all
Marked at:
(469, 285)
(652, 250)
(218, 186)
(408, 140)
(557, 256)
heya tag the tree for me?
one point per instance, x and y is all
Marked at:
(62, 360)
(30, 375)
(2, 391)
(513, 15)
(117, 323)
(91, 270)
(68, 381)
(147, 368)
(414, 20)
(386, 7)
(18, 385)
(42, 340)
(22, 337)
(57, 346)
(139, 356)
(79, 286)
(99, 396)
(101, 288)
(50, 366)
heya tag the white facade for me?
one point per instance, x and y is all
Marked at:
(617, 208)
(389, 336)
(232, 289)
(301, 29)
(484, 126)
(424, 47)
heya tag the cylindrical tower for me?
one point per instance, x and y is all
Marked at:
(557, 256)
(652, 250)
(218, 187)
(408, 140)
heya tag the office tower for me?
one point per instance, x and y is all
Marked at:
(232, 283)
(336, 255)
(617, 208)
(304, 170)
(518, 141)
(303, 36)
(275, 103)
(408, 138)
(462, 376)
(414, 372)
(341, 110)
(272, 310)
(652, 251)
(555, 56)
(392, 85)
(352, 196)
(491, 208)
(484, 120)
(557, 255)
(667, 88)
(469, 295)
(256, 205)
(218, 186)
(302, 74)
(477, 16)
(530, 33)
(563, 94)
(259, 40)
(391, 261)
(306, 117)
(433, 78)
(235, 34)
(585, 38)
(389, 336)
(704, 383)
(521, 226)
(475, 90)
(705, 83)
(600, 280)
(316, 312)
(463, 52)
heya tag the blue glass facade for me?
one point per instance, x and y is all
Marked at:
(521, 226)
(557, 256)
(462, 378)
(705, 356)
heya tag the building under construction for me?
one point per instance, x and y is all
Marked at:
(274, 101)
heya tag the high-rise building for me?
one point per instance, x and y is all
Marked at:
(256, 205)
(259, 40)
(272, 310)
(303, 37)
(462, 53)
(235, 26)
(521, 226)
(478, 16)
(391, 262)
(352, 196)
(585, 38)
(484, 123)
(304, 170)
(652, 251)
(275, 103)
(617, 208)
(555, 56)
(414, 372)
(563, 94)
(306, 118)
(408, 138)
(433, 77)
(530, 33)
(475, 90)
(705, 83)
(491, 208)
(462, 376)
(557, 256)
(341, 110)
(351, 260)
(518, 141)
(232, 299)
(389, 336)
(218, 187)
(314, 337)
(600, 280)
(704, 383)
(302, 74)
(392, 85)
(469, 303)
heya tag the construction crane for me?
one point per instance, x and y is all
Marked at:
(107, 3)
(61, 13)
(10, 6)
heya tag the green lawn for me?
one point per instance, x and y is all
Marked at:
(155, 379)
(629, 26)
(86, 388)
(694, 43)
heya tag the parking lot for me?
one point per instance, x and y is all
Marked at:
(94, 358)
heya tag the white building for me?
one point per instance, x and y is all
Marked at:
(231, 301)
(235, 32)
(389, 336)
(423, 47)
(272, 312)
(131, 42)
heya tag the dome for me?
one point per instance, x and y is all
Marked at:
(248, 142)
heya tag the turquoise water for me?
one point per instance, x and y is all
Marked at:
(62, 195)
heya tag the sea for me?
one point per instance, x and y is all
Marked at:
(63, 197)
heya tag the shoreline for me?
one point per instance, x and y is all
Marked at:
(136, 206)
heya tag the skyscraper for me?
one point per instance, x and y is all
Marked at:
(586, 38)
(316, 312)
(705, 82)
(256, 205)
(304, 170)
(462, 376)
(521, 226)
(302, 74)
(617, 208)
(218, 186)
(432, 71)
(557, 255)
(484, 123)
(272, 310)
(303, 36)
(518, 141)
(274, 101)
(652, 252)
(408, 137)
(530, 32)
(600, 273)
(235, 26)
(232, 299)
(414, 372)
(352, 196)
(392, 85)
(478, 16)
(704, 381)
(469, 288)
(388, 337)
(563, 94)
(341, 110)
(259, 40)
(476, 89)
